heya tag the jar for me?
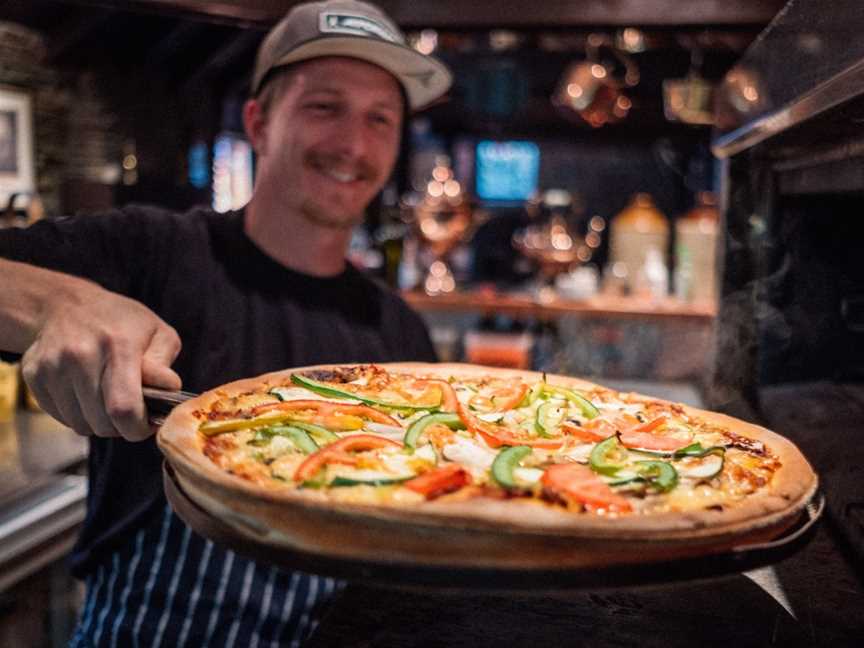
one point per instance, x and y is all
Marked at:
(639, 227)
(696, 250)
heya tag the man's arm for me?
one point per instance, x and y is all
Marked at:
(87, 351)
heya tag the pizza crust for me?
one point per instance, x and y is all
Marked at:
(498, 532)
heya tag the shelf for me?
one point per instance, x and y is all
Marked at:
(523, 305)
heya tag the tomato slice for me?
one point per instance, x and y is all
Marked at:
(577, 482)
(449, 401)
(649, 441)
(440, 481)
(584, 433)
(326, 408)
(506, 398)
(337, 452)
(644, 436)
(652, 425)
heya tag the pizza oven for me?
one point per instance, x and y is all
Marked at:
(790, 336)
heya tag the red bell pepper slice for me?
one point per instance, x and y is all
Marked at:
(448, 400)
(439, 481)
(337, 452)
(494, 435)
(579, 483)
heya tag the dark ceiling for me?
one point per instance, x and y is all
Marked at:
(195, 44)
(199, 37)
(177, 70)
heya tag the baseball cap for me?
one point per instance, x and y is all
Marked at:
(354, 29)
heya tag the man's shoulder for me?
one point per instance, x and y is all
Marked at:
(155, 215)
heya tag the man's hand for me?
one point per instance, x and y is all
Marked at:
(92, 353)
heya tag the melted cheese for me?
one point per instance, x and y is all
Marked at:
(276, 462)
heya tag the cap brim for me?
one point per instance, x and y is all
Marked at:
(424, 78)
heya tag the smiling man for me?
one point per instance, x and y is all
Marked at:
(325, 147)
(99, 305)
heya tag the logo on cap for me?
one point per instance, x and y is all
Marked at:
(356, 25)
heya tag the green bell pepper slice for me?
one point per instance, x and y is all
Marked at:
(608, 456)
(300, 438)
(549, 416)
(334, 392)
(660, 475)
(588, 409)
(412, 435)
(506, 462)
(321, 434)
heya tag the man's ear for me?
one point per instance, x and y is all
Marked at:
(255, 124)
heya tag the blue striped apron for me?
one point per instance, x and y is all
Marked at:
(171, 587)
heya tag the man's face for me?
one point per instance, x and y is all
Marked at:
(330, 140)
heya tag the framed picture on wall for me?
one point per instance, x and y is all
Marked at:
(16, 146)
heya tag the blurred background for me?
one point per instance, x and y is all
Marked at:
(658, 195)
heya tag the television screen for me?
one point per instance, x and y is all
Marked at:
(507, 171)
(232, 172)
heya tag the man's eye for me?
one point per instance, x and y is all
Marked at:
(382, 120)
(322, 107)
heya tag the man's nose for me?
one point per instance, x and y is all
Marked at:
(352, 139)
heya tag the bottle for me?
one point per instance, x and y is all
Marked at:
(696, 234)
(653, 275)
(683, 274)
(638, 228)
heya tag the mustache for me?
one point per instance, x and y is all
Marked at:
(361, 167)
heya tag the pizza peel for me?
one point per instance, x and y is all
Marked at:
(160, 402)
(407, 550)
(419, 573)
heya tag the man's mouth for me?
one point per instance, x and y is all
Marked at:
(337, 170)
(340, 176)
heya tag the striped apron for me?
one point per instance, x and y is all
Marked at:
(171, 587)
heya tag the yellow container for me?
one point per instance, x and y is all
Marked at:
(8, 391)
(637, 228)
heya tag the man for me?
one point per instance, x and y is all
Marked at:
(100, 305)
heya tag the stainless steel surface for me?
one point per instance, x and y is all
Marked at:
(808, 60)
(41, 509)
(34, 443)
(41, 527)
(833, 92)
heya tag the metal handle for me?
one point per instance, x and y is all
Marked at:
(160, 402)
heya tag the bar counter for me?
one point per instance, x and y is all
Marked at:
(42, 499)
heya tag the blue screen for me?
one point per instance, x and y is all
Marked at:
(199, 165)
(507, 170)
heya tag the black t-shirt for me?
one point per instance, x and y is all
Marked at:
(238, 312)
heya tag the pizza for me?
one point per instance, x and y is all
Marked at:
(459, 463)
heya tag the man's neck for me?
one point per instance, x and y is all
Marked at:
(295, 242)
